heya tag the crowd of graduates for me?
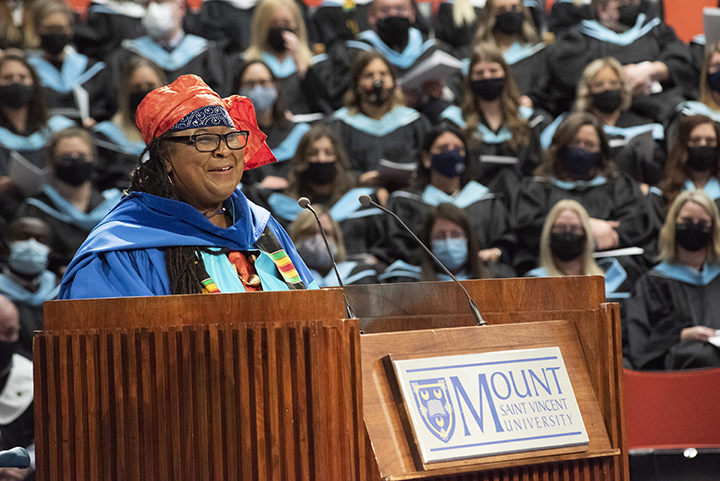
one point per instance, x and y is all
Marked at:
(581, 139)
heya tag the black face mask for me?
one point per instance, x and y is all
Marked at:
(567, 246)
(54, 43)
(607, 101)
(579, 162)
(713, 81)
(488, 89)
(378, 95)
(136, 98)
(275, 39)
(73, 170)
(692, 237)
(509, 23)
(702, 158)
(7, 349)
(320, 173)
(394, 31)
(628, 14)
(15, 95)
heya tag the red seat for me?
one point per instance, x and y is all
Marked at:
(671, 410)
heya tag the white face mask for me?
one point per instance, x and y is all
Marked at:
(28, 257)
(159, 20)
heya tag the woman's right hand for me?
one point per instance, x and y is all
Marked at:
(697, 333)
(606, 237)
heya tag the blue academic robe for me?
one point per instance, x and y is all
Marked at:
(123, 255)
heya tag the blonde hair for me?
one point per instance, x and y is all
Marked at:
(306, 219)
(583, 102)
(509, 99)
(666, 241)
(706, 93)
(261, 25)
(463, 13)
(547, 260)
(484, 32)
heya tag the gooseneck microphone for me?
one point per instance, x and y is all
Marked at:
(365, 200)
(304, 202)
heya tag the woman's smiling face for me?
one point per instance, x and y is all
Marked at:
(205, 179)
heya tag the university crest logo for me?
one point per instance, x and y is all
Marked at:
(435, 407)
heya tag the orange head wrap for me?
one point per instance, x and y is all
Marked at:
(164, 107)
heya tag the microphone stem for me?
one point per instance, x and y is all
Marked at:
(473, 307)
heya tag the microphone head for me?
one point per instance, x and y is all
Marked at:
(304, 202)
(364, 200)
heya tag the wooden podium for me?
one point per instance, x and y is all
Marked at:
(569, 312)
(278, 386)
(259, 386)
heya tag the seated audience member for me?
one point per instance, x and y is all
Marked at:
(339, 21)
(118, 140)
(17, 424)
(75, 85)
(172, 49)
(393, 35)
(25, 279)
(693, 163)
(508, 24)
(578, 166)
(111, 22)
(655, 60)
(16, 25)
(448, 234)
(567, 13)
(25, 126)
(456, 23)
(566, 249)
(635, 141)
(444, 175)
(256, 81)
(375, 126)
(708, 102)
(672, 313)
(308, 240)
(503, 135)
(228, 23)
(279, 38)
(69, 203)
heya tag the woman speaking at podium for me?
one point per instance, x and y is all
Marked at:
(184, 227)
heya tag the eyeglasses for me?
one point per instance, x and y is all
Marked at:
(210, 142)
(585, 145)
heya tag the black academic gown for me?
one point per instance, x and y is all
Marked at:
(649, 40)
(226, 24)
(489, 219)
(117, 156)
(397, 137)
(617, 198)
(460, 38)
(667, 300)
(112, 22)
(193, 55)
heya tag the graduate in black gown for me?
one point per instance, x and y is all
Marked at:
(393, 34)
(75, 85)
(227, 22)
(448, 234)
(693, 163)
(172, 49)
(111, 22)
(504, 136)
(279, 38)
(375, 126)
(25, 126)
(306, 235)
(444, 175)
(69, 203)
(256, 81)
(25, 279)
(456, 22)
(578, 166)
(673, 312)
(655, 60)
(118, 140)
(636, 142)
(509, 25)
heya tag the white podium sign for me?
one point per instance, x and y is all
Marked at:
(490, 403)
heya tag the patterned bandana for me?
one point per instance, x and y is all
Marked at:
(207, 116)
